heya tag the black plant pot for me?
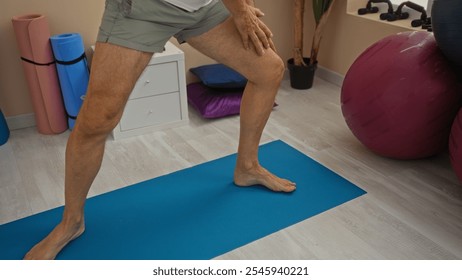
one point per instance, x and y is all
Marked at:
(301, 77)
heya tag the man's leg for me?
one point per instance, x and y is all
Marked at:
(264, 73)
(114, 72)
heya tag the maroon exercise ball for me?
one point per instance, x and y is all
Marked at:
(400, 97)
(455, 145)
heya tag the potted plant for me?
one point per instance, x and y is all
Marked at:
(302, 69)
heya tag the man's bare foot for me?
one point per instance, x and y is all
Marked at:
(258, 175)
(48, 248)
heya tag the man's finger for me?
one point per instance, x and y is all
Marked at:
(263, 38)
(272, 46)
(257, 43)
(258, 12)
(245, 39)
(265, 29)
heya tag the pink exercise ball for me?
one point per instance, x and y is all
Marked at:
(400, 97)
(455, 145)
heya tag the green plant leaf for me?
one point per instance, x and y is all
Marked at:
(319, 8)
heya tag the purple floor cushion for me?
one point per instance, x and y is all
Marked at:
(214, 103)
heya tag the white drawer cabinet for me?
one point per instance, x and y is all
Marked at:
(158, 100)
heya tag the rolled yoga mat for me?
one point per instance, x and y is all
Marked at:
(4, 131)
(33, 38)
(194, 213)
(73, 71)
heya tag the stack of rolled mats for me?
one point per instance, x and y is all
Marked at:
(56, 72)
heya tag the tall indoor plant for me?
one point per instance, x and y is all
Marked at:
(302, 69)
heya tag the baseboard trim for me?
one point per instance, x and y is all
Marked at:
(325, 74)
(330, 76)
(20, 121)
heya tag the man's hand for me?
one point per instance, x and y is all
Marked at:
(251, 28)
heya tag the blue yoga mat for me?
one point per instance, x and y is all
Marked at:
(196, 213)
(73, 71)
(4, 131)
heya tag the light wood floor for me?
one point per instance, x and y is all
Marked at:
(413, 209)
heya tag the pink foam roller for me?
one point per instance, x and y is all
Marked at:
(400, 97)
(33, 38)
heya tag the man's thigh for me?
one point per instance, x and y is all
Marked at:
(114, 72)
(224, 44)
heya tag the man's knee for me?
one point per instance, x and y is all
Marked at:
(271, 72)
(98, 117)
(279, 68)
(101, 123)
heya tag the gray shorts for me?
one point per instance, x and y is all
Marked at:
(147, 25)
